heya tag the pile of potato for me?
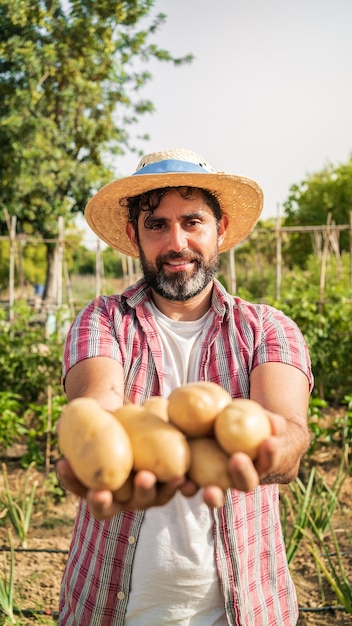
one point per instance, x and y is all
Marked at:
(192, 432)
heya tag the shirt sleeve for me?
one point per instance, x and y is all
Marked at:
(282, 341)
(92, 333)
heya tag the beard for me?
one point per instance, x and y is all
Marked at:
(180, 286)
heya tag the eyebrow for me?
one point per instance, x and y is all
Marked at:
(185, 216)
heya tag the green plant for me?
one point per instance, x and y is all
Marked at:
(337, 433)
(310, 507)
(29, 361)
(12, 424)
(36, 416)
(344, 426)
(326, 325)
(20, 512)
(331, 567)
(319, 433)
(7, 585)
(53, 489)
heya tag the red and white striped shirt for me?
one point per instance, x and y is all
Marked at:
(249, 549)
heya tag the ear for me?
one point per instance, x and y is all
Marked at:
(223, 223)
(131, 234)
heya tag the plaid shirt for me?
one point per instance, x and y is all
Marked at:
(249, 549)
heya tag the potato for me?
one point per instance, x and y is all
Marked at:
(157, 445)
(95, 444)
(193, 407)
(157, 405)
(242, 426)
(209, 463)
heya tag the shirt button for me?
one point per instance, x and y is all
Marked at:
(131, 539)
(120, 595)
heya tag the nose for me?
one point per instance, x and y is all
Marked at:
(177, 238)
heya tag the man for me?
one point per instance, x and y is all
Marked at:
(203, 558)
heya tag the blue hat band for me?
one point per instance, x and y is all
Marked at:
(171, 166)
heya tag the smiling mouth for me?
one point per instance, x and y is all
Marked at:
(179, 265)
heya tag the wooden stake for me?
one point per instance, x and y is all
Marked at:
(48, 432)
(278, 253)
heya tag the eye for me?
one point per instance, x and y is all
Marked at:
(193, 223)
(152, 224)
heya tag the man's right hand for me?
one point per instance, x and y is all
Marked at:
(147, 492)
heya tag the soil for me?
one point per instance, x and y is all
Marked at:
(38, 571)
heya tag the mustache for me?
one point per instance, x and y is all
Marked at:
(183, 255)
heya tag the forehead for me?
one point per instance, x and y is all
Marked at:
(173, 201)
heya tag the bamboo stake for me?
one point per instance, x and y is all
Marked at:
(278, 253)
(12, 268)
(232, 265)
(60, 256)
(68, 286)
(351, 255)
(98, 269)
(130, 270)
(48, 432)
(324, 257)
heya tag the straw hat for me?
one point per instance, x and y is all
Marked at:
(241, 199)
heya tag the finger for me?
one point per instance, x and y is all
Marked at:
(267, 456)
(189, 488)
(213, 496)
(166, 491)
(145, 490)
(101, 505)
(243, 473)
(68, 479)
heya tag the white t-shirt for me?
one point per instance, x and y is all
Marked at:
(174, 578)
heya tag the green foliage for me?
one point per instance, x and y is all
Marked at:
(309, 513)
(310, 202)
(4, 263)
(7, 585)
(333, 567)
(328, 334)
(84, 261)
(325, 322)
(255, 263)
(36, 417)
(30, 260)
(311, 506)
(34, 263)
(337, 432)
(320, 434)
(12, 422)
(68, 94)
(29, 361)
(112, 263)
(19, 509)
(53, 491)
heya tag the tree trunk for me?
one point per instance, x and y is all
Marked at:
(51, 279)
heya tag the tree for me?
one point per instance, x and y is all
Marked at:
(310, 202)
(69, 94)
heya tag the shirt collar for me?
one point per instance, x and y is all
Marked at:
(139, 293)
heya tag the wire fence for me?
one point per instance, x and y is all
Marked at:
(325, 242)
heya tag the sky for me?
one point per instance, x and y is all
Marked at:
(268, 94)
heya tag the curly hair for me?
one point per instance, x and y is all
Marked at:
(147, 202)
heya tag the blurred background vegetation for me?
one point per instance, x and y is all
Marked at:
(71, 79)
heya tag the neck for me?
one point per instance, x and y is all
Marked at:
(185, 311)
